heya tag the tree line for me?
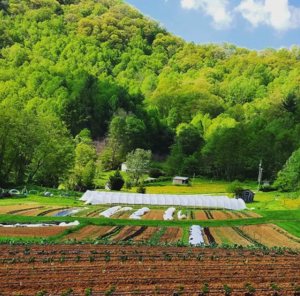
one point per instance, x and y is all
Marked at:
(75, 72)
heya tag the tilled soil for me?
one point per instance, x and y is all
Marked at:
(27, 270)
(227, 235)
(31, 231)
(90, 232)
(271, 235)
(7, 209)
(147, 234)
(173, 234)
(126, 233)
(219, 215)
(153, 215)
(200, 216)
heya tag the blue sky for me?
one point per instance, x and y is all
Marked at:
(255, 24)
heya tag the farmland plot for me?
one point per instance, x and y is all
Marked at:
(227, 235)
(143, 271)
(128, 232)
(147, 234)
(14, 209)
(91, 232)
(31, 231)
(173, 234)
(153, 215)
(271, 235)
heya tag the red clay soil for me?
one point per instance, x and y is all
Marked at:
(219, 215)
(147, 234)
(271, 235)
(148, 271)
(173, 234)
(126, 232)
(90, 232)
(153, 215)
(31, 231)
(200, 215)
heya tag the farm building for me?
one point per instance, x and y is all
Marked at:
(247, 196)
(181, 180)
(124, 167)
(267, 183)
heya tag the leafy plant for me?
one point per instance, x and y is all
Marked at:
(88, 291)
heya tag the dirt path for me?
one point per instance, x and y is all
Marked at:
(147, 234)
(31, 231)
(173, 234)
(90, 232)
(271, 235)
(153, 215)
(227, 235)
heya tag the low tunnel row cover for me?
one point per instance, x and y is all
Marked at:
(100, 197)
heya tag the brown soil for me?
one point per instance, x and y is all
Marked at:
(147, 234)
(228, 235)
(173, 234)
(122, 215)
(153, 215)
(271, 235)
(219, 215)
(31, 231)
(32, 213)
(146, 270)
(125, 233)
(200, 216)
(90, 232)
(6, 209)
(254, 215)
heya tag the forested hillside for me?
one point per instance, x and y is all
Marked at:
(74, 71)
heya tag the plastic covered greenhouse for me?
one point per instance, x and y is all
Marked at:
(117, 198)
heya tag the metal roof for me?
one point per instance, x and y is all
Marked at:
(181, 178)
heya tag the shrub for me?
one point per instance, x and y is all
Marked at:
(235, 187)
(116, 181)
(141, 188)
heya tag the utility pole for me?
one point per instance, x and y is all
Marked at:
(260, 170)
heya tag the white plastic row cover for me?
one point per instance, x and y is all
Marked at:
(196, 237)
(168, 215)
(97, 197)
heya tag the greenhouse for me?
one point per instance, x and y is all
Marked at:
(117, 198)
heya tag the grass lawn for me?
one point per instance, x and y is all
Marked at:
(41, 200)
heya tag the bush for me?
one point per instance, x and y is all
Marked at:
(155, 173)
(141, 189)
(235, 187)
(116, 181)
(267, 188)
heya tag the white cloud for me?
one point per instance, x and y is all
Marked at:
(275, 13)
(217, 9)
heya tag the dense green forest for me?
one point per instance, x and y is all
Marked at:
(82, 83)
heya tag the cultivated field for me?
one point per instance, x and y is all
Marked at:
(120, 270)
